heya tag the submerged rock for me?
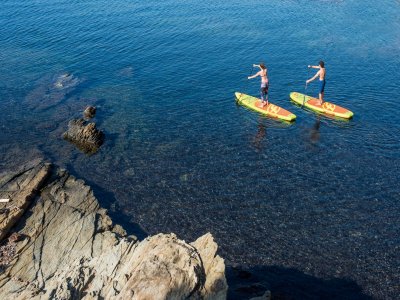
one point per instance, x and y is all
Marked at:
(65, 81)
(265, 296)
(126, 72)
(84, 135)
(67, 247)
(51, 90)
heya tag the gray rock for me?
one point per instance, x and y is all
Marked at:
(20, 188)
(65, 246)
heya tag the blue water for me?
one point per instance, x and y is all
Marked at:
(309, 204)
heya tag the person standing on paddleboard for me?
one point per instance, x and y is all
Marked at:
(264, 83)
(321, 73)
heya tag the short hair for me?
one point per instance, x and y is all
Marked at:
(322, 64)
(262, 65)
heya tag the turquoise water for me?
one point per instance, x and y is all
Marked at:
(318, 198)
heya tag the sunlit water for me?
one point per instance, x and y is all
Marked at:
(319, 197)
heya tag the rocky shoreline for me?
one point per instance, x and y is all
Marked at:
(56, 242)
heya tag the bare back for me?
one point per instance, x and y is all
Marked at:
(263, 75)
(322, 73)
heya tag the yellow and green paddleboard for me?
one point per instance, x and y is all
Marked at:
(270, 110)
(326, 107)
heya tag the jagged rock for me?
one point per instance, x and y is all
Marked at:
(84, 135)
(20, 189)
(65, 246)
(214, 266)
(89, 112)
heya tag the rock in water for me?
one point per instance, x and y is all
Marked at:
(65, 81)
(265, 296)
(51, 91)
(67, 247)
(89, 112)
(84, 135)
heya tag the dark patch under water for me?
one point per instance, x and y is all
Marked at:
(308, 210)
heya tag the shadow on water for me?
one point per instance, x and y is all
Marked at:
(108, 201)
(314, 134)
(288, 284)
(260, 139)
(260, 136)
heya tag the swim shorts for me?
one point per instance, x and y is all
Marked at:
(322, 86)
(264, 91)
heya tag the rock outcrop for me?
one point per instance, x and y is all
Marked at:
(89, 112)
(21, 187)
(84, 135)
(60, 244)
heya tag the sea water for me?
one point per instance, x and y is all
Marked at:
(307, 210)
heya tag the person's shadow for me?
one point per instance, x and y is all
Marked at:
(314, 132)
(257, 141)
(288, 284)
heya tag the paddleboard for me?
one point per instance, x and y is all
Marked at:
(326, 107)
(270, 110)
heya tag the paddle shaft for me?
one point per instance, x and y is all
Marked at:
(251, 72)
(305, 87)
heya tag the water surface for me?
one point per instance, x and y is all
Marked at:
(319, 196)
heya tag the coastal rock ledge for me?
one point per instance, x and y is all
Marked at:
(56, 242)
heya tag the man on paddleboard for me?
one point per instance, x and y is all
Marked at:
(321, 73)
(264, 83)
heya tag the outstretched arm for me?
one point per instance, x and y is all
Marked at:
(314, 67)
(313, 78)
(254, 65)
(254, 76)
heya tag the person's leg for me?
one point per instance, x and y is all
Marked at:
(266, 95)
(321, 91)
(263, 96)
(264, 92)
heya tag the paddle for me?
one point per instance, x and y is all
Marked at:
(251, 72)
(305, 88)
(304, 96)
